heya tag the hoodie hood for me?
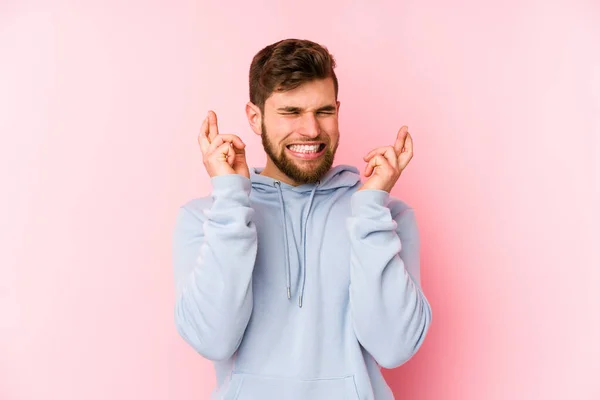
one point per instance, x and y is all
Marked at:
(337, 177)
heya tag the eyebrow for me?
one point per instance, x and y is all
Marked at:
(328, 107)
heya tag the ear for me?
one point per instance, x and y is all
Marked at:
(254, 117)
(337, 103)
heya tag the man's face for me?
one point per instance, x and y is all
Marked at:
(300, 131)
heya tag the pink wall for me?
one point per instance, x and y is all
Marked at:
(100, 106)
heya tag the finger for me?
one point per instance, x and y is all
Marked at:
(400, 139)
(408, 144)
(224, 152)
(373, 163)
(379, 150)
(226, 138)
(213, 129)
(391, 157)
(377, 161)
(405, 157)
(202, 136)
(231, 156)
(370, 166)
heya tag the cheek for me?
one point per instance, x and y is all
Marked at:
(330, 127)
(281, 126)
(276, 131)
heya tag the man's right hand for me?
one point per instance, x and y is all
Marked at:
(222, 154)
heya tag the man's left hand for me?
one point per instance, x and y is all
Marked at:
(385, 164)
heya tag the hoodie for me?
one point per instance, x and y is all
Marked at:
(301, 292)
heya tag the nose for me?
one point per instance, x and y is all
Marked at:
(309, 126)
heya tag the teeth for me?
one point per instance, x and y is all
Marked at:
(298, 148)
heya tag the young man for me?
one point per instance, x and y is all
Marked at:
(296, 279)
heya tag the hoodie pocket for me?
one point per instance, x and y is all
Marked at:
(260, 387)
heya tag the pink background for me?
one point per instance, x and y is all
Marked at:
(100, 107)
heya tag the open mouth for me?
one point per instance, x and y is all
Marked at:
(307, 151)
(306, 148)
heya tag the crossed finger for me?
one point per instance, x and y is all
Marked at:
(403, 148)
(208, 131)
(213, 128)
(400, 143)
(203, 136)
(406, 153)
(403, 141)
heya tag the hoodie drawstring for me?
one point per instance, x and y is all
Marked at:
(285, 236)
(312, 195)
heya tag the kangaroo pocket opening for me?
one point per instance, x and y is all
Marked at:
(259, 387)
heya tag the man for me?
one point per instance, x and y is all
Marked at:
(296, 279)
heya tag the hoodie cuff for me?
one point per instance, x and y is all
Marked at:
(229, 186)
(370, 203)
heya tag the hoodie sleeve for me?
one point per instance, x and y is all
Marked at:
(214, 250)
(389, 311)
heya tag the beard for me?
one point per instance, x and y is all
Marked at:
(291, 168)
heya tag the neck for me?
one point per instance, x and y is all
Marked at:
(273, 172)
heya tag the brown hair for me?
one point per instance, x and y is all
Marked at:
(287, 64)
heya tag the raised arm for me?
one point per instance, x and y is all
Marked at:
(214, 250)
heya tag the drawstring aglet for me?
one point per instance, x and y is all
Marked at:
(300, 301)
(289, 293)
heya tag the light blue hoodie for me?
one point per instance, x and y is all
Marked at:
(299, 292)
